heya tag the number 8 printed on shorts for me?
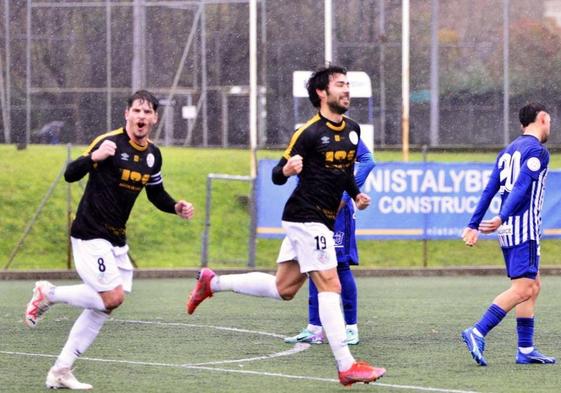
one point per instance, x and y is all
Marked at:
(101, 264)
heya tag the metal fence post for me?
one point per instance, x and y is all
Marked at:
(204, 251)
(252, 225)
(425, 217)
(68, 212)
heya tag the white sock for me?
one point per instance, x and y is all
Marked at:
(331, 317)
(82, 334)
(353, 328)
(253, 284)
(81, 296)
(315, 329)
(526, 350)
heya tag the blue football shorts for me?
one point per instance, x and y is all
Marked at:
(522, 260)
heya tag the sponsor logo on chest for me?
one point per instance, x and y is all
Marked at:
(134, 176)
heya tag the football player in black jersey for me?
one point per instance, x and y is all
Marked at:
(322, 154)
(120, 164)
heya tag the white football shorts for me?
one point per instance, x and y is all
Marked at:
(101, 265)
(309, 243)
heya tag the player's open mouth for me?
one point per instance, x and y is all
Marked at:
(140, 125)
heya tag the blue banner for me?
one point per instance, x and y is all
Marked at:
(410, 200)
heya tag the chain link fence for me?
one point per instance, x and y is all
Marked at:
(68, 66)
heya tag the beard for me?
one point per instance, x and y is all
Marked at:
(335, 107)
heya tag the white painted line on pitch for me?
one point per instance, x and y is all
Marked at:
(231, 329)
(424, 389)
(294, 350)
(248, 372)
(299, 347)
(308, 378)
(204, 366)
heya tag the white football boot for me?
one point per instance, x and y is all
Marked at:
(39, 303)
(352, 337)
(62, 378)
(305, 336)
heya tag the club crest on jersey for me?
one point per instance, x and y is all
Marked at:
(353, 137)
(338, 237)
(534, 164)
(325, 140)
(150, 159)
(124, 156)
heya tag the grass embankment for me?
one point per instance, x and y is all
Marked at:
(162, 240)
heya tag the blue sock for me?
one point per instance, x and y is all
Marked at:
(492, 317)
(525, 329)
(348, 296)
(313, 305)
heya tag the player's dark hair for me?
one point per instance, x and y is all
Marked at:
(143, 96)
(320, 80)
(529, 113)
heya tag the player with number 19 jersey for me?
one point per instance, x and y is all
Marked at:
(329, 152)
(519, 176)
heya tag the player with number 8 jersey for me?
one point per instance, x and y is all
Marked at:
(519, 177)
(120, 164)
(113, 186)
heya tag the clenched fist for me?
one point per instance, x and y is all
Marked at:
(293, 166)
(106, 149)
(362, 201)
(184, 209)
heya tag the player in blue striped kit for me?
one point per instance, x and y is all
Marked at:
(347, 255)
(519, 176)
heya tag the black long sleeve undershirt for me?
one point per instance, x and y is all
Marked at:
(160, 198)
(78, 168)
(278, 177)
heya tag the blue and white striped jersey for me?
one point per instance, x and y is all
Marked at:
(519, 176)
